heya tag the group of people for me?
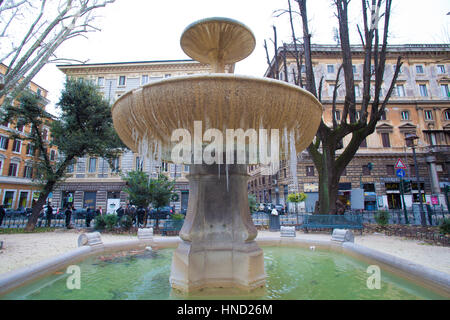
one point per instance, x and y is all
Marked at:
(68, 210)
(135, 213)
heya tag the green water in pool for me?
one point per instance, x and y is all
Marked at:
(292, 273)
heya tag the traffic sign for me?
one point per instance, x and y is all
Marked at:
(400, 173)
(399, 164)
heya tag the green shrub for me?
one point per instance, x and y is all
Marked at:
(99, 222)
(382, 218)
(126, 222)
(111, 221)
(178, 216)
(444, 226)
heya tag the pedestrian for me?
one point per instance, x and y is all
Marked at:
(100, 210)
(2, 214)
(140, 215)
(97, 212)
(49, 214)
(146, 213)
(133, 214)
(89, 217)
(120, 212)
(68, 214)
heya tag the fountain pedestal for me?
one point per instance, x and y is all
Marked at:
(218, 248)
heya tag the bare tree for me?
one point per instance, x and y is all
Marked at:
(47, 25)
(322, 150)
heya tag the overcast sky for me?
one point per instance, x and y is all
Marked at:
(141, 30)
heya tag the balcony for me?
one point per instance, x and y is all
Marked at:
(437, 149)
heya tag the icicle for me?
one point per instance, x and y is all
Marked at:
(293, 161)
(226, 172)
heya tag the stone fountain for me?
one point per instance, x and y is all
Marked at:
(218, 247)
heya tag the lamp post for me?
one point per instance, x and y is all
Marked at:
(410, 137)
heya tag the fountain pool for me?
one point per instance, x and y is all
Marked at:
(292, 273)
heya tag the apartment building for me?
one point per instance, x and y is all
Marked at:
(17, 188)
(420, 104)
(91, 181)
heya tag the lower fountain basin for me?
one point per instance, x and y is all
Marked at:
(294, 271)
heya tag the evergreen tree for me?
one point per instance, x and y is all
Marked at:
(83, 128)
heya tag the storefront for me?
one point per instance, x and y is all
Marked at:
(393, 195)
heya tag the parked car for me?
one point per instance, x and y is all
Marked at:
(161, 213)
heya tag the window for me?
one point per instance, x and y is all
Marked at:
(168, 75)
(139, 163)
(400, 90)
(45, 133)
(385, 140)
(444, 91)
(395, 67)
(17, 145)
(19, 127)
(310, 171)
(122, 80)
(363, 143)
(330, 68)
(100, 81)
(365, 170)
(440, 68)
(69, 168)
(447, 115)
(12, 172)
(383, 115)
(28, 172)
(4, 142)
(354, 68)
(419, 69)
(115, 167)
(30, 149)
(331, 90)
(428, 115)
(423, 90)
(9, 199)
(357, 92)
(404, 115)
(52, 155)
(92, 164)
(144, 79)
(372, 69)
(186, 168)
(390, 170)
(337, 115)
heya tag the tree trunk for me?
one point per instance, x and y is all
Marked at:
(32, 220)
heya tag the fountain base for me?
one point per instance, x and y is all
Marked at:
(218, 248)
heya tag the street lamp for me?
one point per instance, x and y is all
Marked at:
(410, 137)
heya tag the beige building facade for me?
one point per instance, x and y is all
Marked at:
(420, 104)
(91, 181)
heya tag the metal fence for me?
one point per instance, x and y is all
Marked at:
(433, 218)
